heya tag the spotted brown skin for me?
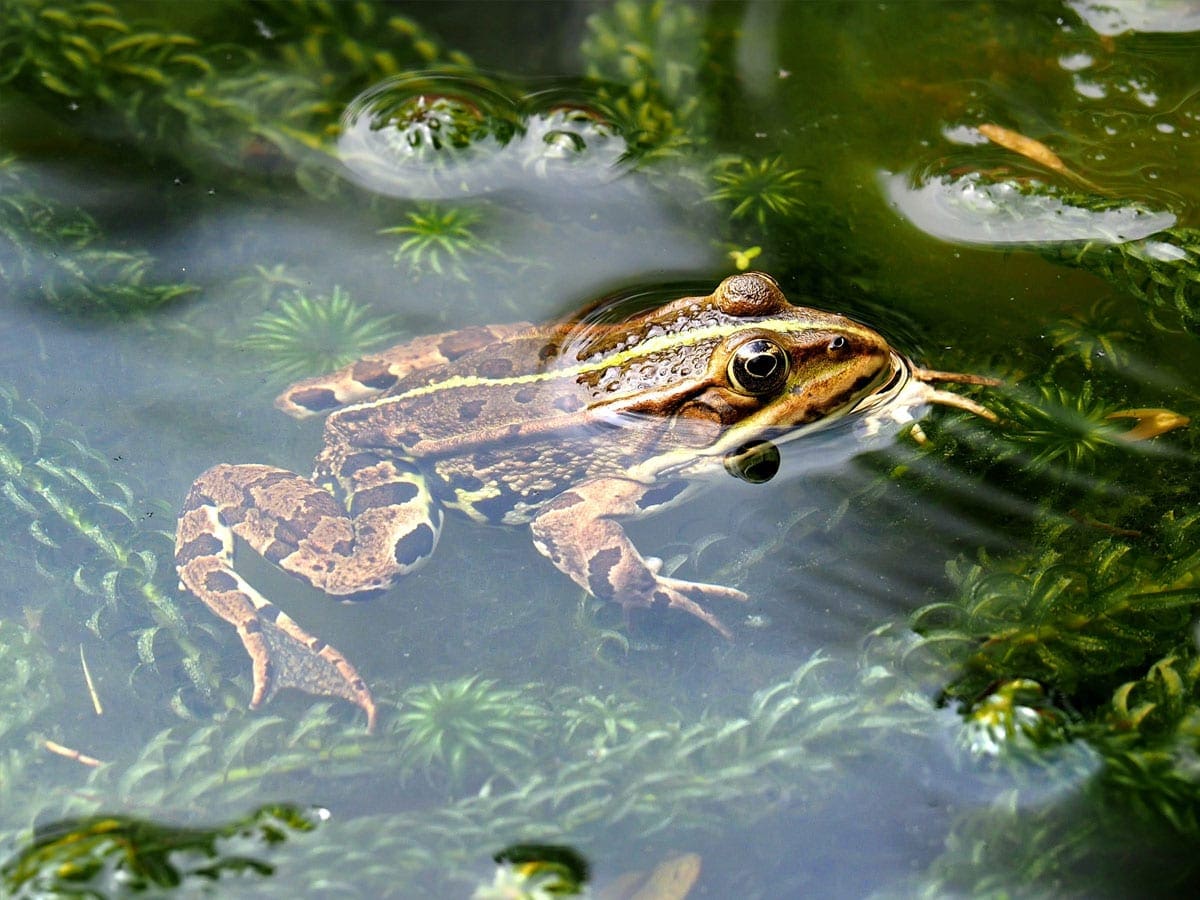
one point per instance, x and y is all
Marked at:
(567, 427)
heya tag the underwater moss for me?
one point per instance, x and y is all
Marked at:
(57, 255)
(565, 763)
(438, 240)
(1063, 620)
(1162, 272)
(83, 528)
(647, 56)
(305, 336)
(25, 672)
(1101, 336)
(468, 725)
(761, 190)
(250, 104)
(1058, 427)
(107, 856)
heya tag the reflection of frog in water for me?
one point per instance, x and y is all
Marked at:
(567, 427)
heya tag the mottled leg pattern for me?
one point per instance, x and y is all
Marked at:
(302, 528)
(577, 531)
(377, 372)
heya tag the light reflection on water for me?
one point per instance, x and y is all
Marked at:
(836, 551)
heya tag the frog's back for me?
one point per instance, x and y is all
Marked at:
(503, 393)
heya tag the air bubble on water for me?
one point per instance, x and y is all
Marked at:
(433, 136)
(427, 136)
(973, 210)
(1075, 62)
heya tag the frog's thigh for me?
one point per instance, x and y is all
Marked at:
(577, 531)
(389, 526)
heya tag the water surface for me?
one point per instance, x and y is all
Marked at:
(967, 663)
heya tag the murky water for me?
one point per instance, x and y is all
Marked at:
(967, 665)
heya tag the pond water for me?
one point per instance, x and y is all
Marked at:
(968, 662)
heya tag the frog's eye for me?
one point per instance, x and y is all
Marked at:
(756, 462)
(758, 367)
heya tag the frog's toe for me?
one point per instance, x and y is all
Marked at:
(675, 594)
(260, 674)
(704, 591)
(299, 660)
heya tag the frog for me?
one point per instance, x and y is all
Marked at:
(568, 428)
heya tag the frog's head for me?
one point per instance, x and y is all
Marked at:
(717, 376)
(747, 363)
(785, 366)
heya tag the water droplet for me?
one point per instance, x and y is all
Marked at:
(1075, 62)
(1090, 89)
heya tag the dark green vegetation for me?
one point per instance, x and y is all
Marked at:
(118, 855)
(178, 239)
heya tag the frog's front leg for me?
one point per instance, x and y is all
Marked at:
(578, 532)
(385, 525)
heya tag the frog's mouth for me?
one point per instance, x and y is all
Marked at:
(895, 397)
(889, 388)
(910, 389)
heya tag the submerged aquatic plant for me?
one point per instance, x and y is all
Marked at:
(110, 855)
(77, 524)
(1161, 271)
(1061, 620)
(653, 44)
(59, 255)
(601, 721)
(437, 239)
(648, 57)
(310, 335)
(266, 284)
(469, 726)
(252, 105)
(765, 190)
(1060, 428)
(1096, 335)
(24, 673)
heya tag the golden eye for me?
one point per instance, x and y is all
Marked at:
(758, 367)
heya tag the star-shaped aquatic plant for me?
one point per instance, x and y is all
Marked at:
(468, 725)
(438, 238)
(1098, 334)
(762, 190)
(310, 335)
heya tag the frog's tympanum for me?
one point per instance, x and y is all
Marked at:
(568, 428)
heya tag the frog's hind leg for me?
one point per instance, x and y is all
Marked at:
(303, 528)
